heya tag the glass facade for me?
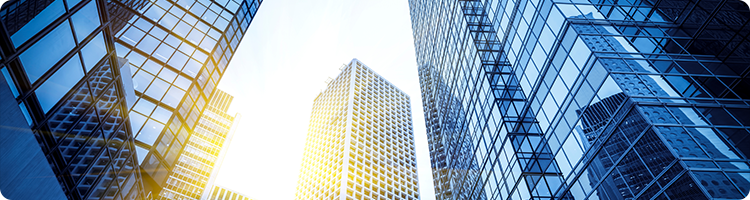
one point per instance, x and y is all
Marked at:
(69, 85)
(114, 89)
(585, 99)
(360, 142)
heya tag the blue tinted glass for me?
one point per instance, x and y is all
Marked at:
(25, 113)
(136, 121)
(53, 46)
(10, 82)
(54, 88)
(141, 80)
(173, 97)
(72, 3)
(144, 107)
(157, 89)
(44, 18)
(140, 153)
(85, 20)
(150, 132)
(94, 51)
(161, 114)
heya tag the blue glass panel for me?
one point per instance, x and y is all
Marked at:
(44, 18)
(10, 82)
(85, 20)
(141, 80)
(157, 89)
(136, 121)
(53, 46)
(72, 3)
(25, 113)
(161, 114)
(173, 97)
(140, 153)
(144, 107)
(150, 132)
(94, 51)
(54, 88)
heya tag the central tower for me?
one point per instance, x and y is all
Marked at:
(360, 143)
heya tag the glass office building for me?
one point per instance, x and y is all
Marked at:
(360, 143)
(585, 99)
(113, 90)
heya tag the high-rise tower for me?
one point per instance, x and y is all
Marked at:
(360, 143)
(112, 90)
(593, 99)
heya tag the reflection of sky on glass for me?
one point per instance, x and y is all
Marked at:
(290, 49)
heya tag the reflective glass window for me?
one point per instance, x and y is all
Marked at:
(25, 113)
(10, 82)
(173, 97)
(161, 114)
(141, 80)
(144, 107)
(150, 132)
(85, 20)
(136, 121)
(54, 88)
(157, 89)
(41, 20)
(53, 46)
(94, 51)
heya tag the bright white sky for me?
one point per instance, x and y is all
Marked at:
(291, 48)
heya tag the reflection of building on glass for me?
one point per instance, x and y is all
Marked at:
(111, 132)
(198, 164)
(630, 103)
(220, 193)
(446, 144)
(360, 142)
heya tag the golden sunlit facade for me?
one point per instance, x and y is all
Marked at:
(360, 142)
(194, 168)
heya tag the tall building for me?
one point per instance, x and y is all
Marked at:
(600, 99)
(197, 165)
(360, 143)
(220, 193)
(110, 90)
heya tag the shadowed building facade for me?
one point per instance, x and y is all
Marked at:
(360, 142)
(586, 99)
(112, 90)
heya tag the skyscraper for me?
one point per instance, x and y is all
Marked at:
(220, 193)
(585, 99)
(113, 90)
(360, 143)
(197, 165)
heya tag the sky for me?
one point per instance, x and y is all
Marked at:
(291, 48)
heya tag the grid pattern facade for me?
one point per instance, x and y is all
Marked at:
(360, 143)
(196, 163)
(61, 61)
(178, 52)
(594, 99)
(220, 193)
(57, 59)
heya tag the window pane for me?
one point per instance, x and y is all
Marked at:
(10, 82)
(85, 21)
(94, 51)
(53, 46)
(150, 132)
(44, 18)
(50, 92)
